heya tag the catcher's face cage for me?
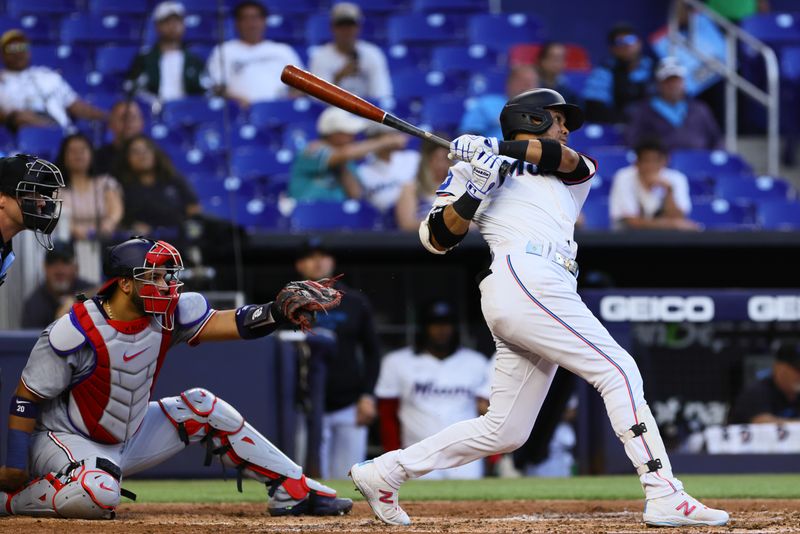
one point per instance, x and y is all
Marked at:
(37, 196)
(159, 282)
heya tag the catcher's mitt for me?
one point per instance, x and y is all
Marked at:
(298, 302)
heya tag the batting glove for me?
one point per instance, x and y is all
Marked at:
(464, 148)
(485, 175)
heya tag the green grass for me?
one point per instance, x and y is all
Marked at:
(582, 488)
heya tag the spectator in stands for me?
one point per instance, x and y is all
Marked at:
(356, 65)
(155, 194)
(416, 197)
(679, 122)
(349, 402)
(385, 172)
(622, 80)
(36, 96)
(248, 69)
(550, 65)
(94, 202)
(647, 194)
(56, 294)
(326, 169)
(430, 385)
(776, 398)
(483, 114)
(124, 122)
(168, 69)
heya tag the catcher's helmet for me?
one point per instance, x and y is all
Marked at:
(518, 113)
(156, 265)
(35, 183)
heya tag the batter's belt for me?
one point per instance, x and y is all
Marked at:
(545, 250)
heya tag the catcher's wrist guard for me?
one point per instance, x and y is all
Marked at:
(256, 320)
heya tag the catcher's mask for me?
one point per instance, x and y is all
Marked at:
(155, 268)
(35, 183)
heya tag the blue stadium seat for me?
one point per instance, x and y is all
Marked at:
(612, 159)
(297, 134)
(211, 139)
(499, 32)
(721, 214)
(37, 28)
(402, 57)
(259, 214)
(450, 6)
(779, 214)
(418, 28)
(350, 215)
(284, 7)
(701, 188)
(165, 136)
(202, 51)
(282, 28)
(774, 28)
(17, 8)
(595, 135)
(488, 82)
(442, 112)
(204, 6)
(601, 187)
(249, 163)
(114, 59)
(191, 111)
(413, 84)
(575, 80)
(42, 142)
(103, 100)
(463, 59)
(118, 7)
(100, 30)
(370, 7)
(595, 213)
(708, 162)
(279, 113)
(736, 188)
(318, 29)
(194, 160)
(790, 64)
(60, 57)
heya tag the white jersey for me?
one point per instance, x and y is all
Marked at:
(527, 207)
(433, 392)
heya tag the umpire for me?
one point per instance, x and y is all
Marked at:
(350, 406)
(29, 188)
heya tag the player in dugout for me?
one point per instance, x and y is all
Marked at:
(81, 418)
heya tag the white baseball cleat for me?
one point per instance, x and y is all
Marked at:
(380, 495)
(680, 509)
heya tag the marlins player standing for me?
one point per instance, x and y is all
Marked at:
(530, 303)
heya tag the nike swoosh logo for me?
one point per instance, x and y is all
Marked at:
(103, 486)
(126, 358)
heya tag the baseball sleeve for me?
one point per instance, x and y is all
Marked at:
(191, 315)
(47, 374)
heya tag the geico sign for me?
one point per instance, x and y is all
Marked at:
(667, 309)
(774, 308)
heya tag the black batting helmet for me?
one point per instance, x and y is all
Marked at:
(519, 113)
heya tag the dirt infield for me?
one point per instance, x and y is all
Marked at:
(438, 517)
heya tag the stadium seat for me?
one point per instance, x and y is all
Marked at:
(118, 7)
(721, 214)
(601, 187)
(249, 163)
(43, 142)
(44, 8)
(463, 59)
(205, 6)
(500, 32)
(297, 134)
(113, 59)
(595, 135)
(775, 29)
(790, 64)
(281, 28)
(96, 29)
(318, 29)
(595, 214)
(450, 6)
(708, 162)
(37, 28)
(8, 143)
(192, 111)
(612, 159)
(201, 50)
(193, 160)
(284, 7)
(279, 113)
(577, 57)
(211, 138)
(488, 82)
(779, 214)
(442, 112)
(166, 136)
(348, 215)
(412, 84)
(418, 28)
(259, 214)
(736, 188)
(575, 80)
(370, 7)
(701, 188)
(60, 57)
(402, 57)
(103, 100)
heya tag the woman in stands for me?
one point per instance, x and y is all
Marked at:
(156, 195)
(417, 196)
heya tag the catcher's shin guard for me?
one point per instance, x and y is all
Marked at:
(199, 415)
(86, 491)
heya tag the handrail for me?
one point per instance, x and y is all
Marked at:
(770, 98)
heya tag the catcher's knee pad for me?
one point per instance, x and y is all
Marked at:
(195, 411)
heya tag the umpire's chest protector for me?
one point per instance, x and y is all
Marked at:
(109, 404)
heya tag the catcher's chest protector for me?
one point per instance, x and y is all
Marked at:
(110, 403)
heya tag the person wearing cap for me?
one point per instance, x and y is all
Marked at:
(679, 121)
(432, 384)
(168, 69)
(623, 79)
(248, 69)
(349, 403)
(349, 62)
(33, 95)
(55, 295)
(384, 173)
(775, 398)
(326, 169)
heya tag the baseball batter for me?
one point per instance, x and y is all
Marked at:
(81, 418)
(529, 300)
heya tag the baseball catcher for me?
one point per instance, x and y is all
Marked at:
(81, 417)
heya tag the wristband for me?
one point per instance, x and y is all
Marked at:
(22, 407)
(18, 445)
(514, 149)
(255, 320)
(551, 155)
(466, 206)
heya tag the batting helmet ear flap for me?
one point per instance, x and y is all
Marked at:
(517, 113)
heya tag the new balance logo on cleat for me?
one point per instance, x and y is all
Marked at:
(386, 496)
(686, 509)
